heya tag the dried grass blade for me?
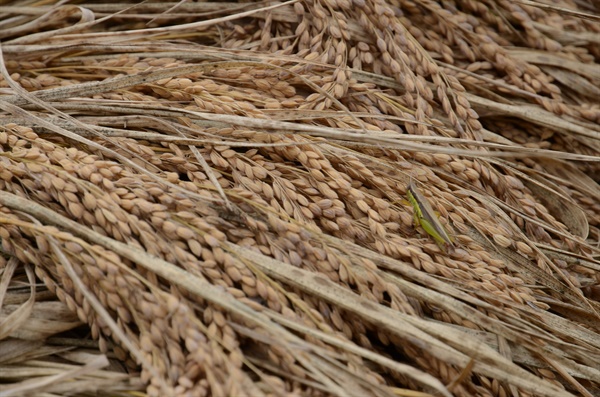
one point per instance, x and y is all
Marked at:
(133, 35)
(18, 350)
(46, 319)
(7, 273)
(16, 319)
(37, 385)
(560, 10)
(538, 116)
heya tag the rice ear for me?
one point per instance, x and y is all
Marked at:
(214, 190)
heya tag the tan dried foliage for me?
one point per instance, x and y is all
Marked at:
(217, 191)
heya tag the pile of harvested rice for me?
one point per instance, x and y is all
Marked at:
(210, 198)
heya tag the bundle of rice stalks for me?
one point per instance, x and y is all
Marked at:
(211, 198)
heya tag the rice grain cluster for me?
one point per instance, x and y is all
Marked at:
(209, 199)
